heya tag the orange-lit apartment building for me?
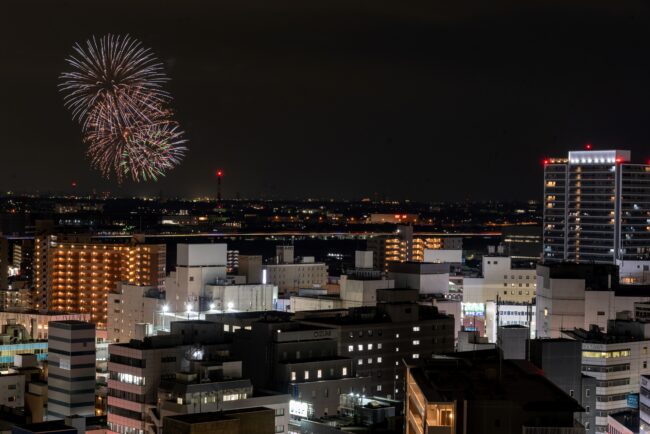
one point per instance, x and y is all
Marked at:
(404, 246)
(78, 276)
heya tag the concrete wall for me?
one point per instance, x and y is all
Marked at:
(196, 255)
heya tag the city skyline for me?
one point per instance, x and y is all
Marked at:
(306, 101)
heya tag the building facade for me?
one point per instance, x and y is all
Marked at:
(596, 208)
(77, 277)
(71, 366)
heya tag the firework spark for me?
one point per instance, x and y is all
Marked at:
(116, 93)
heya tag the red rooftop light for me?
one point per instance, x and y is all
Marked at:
(545, 162)
(588, 146)
(219, 173)
(619, 160)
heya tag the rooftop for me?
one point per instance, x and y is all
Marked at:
(215, 415)
(628, 418)
(482, 375)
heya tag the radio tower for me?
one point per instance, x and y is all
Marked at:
(219, 176)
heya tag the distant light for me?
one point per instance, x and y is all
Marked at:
(231, 305)
(74, 183)
(211, 306)
(588, 146)
(219, 173)
(546, 162)
(165, 308)
(619, 160)
(188, 306)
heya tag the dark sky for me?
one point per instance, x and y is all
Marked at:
(426, 100)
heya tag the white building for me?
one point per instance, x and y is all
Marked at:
(242, 298)
(449, 256)
(580, 295)
(197, 265)
(129, 306)
(291, 277)
(500, 279)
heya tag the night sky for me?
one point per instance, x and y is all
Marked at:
(425, 100)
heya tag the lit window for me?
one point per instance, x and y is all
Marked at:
(350, 348)
(416, 356)
(370, 346)
(397, 349)
(416, 342)
(360, 362)
(306, 375)
(396, 335)
(379, 359)
(379, 346)
(416, 328)
(379, 388)
(369, 361)
(344, 371)
(360, 347)
(293, 376)
(319, 373)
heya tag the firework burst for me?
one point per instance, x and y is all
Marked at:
(116, 93)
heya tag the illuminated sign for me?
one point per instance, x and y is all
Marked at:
(298, 408)
(64, 363)
(473, 309)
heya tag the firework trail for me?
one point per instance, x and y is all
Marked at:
(115, 91)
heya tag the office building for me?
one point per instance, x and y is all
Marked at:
(258, 420)
(213, 385)
(379, 338)
(71, 366)
(299, 359)
(136, 368)
(595, 207)
(502, 279)
(478, 392)
(617, 360)
(77, 277)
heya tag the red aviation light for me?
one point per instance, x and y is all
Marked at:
(588, 146)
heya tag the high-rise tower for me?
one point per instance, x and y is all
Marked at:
(596, 207)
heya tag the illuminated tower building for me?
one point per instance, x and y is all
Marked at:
(77, 277)
(596, 208)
